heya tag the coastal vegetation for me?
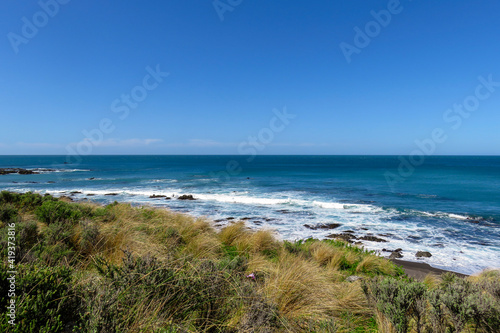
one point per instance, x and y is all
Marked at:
(83, 267)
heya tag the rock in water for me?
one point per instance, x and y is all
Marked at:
(186, 197)
(424, 254)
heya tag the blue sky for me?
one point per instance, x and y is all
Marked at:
(225, 77)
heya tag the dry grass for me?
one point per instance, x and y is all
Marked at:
(299, 288)
(375, 264)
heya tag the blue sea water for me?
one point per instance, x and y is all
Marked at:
(449, 205)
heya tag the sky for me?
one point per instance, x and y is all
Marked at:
(228, 76)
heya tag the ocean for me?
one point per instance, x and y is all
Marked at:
(448, 206)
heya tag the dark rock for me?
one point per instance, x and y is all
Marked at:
(51, 182)
(349, 231)
(111, 194)
(90, 194)
(186, 197)
(75, 192)
(325, 226)
(65, 198)
(154, 196)
(20, 171)
(246, 218)
(398, 249)
(257, 222)
(27, 172)
(230, 218)
(219, 220)
(284, 211)
(345, 237)
(168, 198)
(395, 255)
(373, 239)
(92, 178)
(423, 254)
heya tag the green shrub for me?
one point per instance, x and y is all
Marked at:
(44, 300)
(8, 213)
(57, 211)
(398, 299)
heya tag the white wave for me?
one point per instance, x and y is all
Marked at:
(329, 205)
(459, 217)
(242, 199)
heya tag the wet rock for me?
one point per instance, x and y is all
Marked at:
(284, 211)
(168, 198)
(20, 171)
(349, 231)
(395, 255)
(219, 220)
(246, 218)
(65, 198)
(373, 239)
(75, 192)
(423, 254)
(186, 197)
(90, 194)
(154, 196)
(230, 218)
(324, 226)
(112, 194)
(345, 237)
(92, 178)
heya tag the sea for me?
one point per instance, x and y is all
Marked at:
(446, 205)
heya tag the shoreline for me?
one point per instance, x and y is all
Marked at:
(419, 270)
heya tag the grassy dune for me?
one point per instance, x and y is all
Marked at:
(89, 268)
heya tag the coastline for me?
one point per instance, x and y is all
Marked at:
(419, 270)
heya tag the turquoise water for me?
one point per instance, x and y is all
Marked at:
(449, 206)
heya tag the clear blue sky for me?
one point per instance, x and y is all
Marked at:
(226, 76)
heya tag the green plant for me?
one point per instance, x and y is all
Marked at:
(57, 211)
(44, 299)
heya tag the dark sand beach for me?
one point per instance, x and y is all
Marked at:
(419, 270)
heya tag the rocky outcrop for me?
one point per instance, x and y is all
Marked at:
(324, 226)
(186, 197)
(343, 236)
(423, 254)
(373, 239)
(154, 196)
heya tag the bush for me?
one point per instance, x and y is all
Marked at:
(8, 213)
(398, 299)
(57, 211)
(44, 300)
